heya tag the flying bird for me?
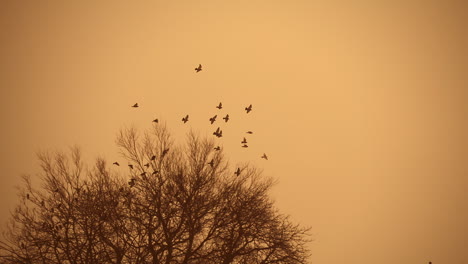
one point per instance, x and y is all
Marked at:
(116, 163)
(211, 163)
(156, 120)
(218, 133)
(249, 132)
(199, 68)
(238, 171)
(248, 109)
(153, 157)
(185, 119)
(213, 119)
(131, 166)
(165, 152)
(220, 105)
(244, 141)
(217, 148)
(146, 165)
(245, 146)
(264, 156)
(226, 118)
(135, 105)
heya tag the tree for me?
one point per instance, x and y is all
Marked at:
(182, 204)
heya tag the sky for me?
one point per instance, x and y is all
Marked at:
(359, 105)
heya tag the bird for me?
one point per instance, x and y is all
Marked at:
(213, 119)
(245, 146)
(218, 133)
(164, 152)
(249, 132)
(248, 109)
(153, 157)
(185, 119)
(143, 174)
(135, 105)
(156, 120)
(146, 165)
(244, 141)
(220, 106)
(217, 148)
(42, 203)
(211, 163)
(226, 118)
(199, 68)
(27, 196)
(238, 171)
(130, 165)
(264, 156)
(131, 182)
(116, 163)
(155, 172)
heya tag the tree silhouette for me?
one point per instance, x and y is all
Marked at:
(187, 206)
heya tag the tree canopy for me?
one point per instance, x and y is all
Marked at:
(176, 204)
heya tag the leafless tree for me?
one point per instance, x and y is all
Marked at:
(184, 206)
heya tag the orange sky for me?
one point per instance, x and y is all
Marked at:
(360, 105)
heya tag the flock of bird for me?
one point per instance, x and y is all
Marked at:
(218, 133)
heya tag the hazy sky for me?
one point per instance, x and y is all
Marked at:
(361, 106)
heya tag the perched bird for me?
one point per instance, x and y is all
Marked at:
(220, 106)
(248, 109)
(264, 156)
(155, 172)
(249, 132)
(211, 163)
(245, 146)
(217, 148)
(244, 141)
(165, 152)
(153, 158)
(199, 68)
(116, 163)
(42, 203)
(156, 120)
(130, 165)
(135, 105)
(213, 119)
(27, 196)
(226, 118)
(185, 119)
(146, 165)
(238, 171)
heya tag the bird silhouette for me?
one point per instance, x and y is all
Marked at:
(116, 163)
(248, 109)
(244, 141)
(211, 163)
(226, 118)
(156, 120)
(199, 68)
(135, 105)
(155, 172)
(245, 146)
(143, 174)
(165, 152)
(185, 119)
(213, 119)
(27, 196)
(153, 158)
(238, 171)
(264, 156)
(130, 165)
(218, 132)
(220, 106)
(249, 132)
(217, 148)
(146, 165)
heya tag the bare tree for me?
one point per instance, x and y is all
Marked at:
(181, 204)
